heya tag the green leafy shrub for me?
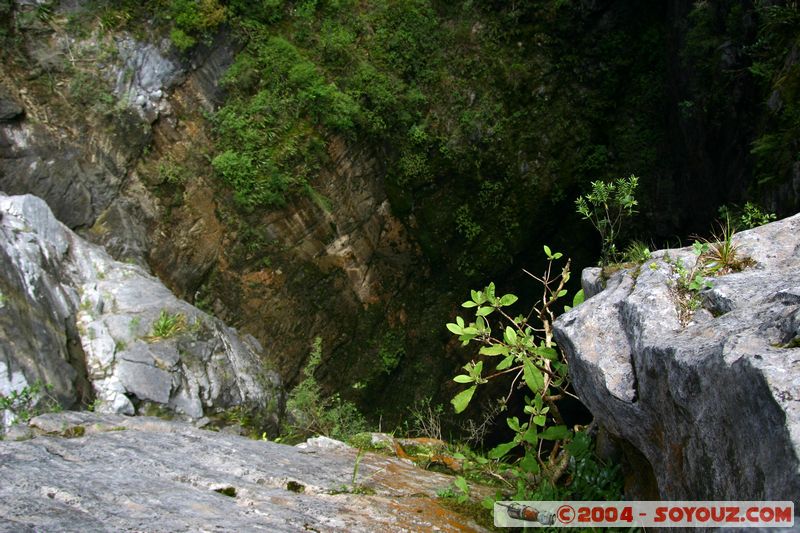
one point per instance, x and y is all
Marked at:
(312, 414)
(753, 216)
(391, 351)
(606, 207)
(590, 478)
(406, 37)
(253, 184)
(545, 459)
(379, 98)
(265, 11)
(528, 355)
(193, 19)
(28, 402)
(181, 39)
(747, 217)
(172, 172)
(336, 42)
(266, 134)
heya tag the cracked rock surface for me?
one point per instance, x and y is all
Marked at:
(91, 472)
(710, 406)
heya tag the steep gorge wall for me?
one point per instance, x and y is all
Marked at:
(531, 103)
(128, 168)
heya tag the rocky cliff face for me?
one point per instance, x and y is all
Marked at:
(705, 409)
(73, 316)
(88, 472)
(109, 129)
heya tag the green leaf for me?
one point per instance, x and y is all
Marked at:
(490, 291)
(540, 420)
(547, 353)
(460, 321)
(454, 328)
(548, 252)
(488, 503)
(529, 463)
(533, 376)
(508, 299)
(555, 433)
(461, 400)
(513, 423)
(558, 255)
(462, 378)
(483, 311)
(580, 444)
(562, 293)
(578, 298)
(506, 363)
(477, 297)
(469, 304)
(461, 483)
(501, 449)
(497, 349)
(532, 435)
(511, 335)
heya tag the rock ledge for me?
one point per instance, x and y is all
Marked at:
(711, 408)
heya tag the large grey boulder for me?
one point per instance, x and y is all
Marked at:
(69, 310)
(112, 473)
(708, 402)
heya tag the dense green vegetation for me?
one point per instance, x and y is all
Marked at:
(445, 94)
(488, 116)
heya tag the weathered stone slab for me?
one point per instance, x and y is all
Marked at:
(120, 474)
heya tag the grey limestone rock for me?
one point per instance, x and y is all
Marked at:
(143, 76)
(68, 309)
(712, 405)
(91, 472)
